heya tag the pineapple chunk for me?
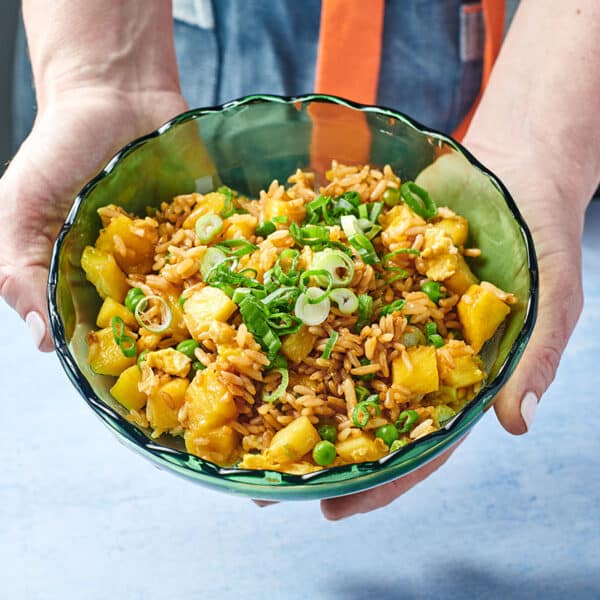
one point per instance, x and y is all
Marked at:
(164, 404)
(170, 361)
(209, 403)
(293, 441)
(293, 209)
(204, 307)
(111, 308)
(480, 313)
(423, 378)
(218, 445)
(456, 227)
(361, 448)
(104, 355)
(297, 346)
(466, 371)
(462, 279)
(102, 270)
(131, 242)
(260, 461)
(126, 392)
(240, 227)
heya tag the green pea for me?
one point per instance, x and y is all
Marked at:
(142, 356)
(388, 433)
(198, 366)
(328, 433)
(391, 196)
(324, 453)
(133, 298)
(397, 444)
(436, 340)
(187, 347)
(433, 289)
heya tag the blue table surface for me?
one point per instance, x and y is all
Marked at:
(83, 517)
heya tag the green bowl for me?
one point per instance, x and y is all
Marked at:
(246, 144)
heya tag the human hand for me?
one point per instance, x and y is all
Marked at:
(73, 136)
(556, 225)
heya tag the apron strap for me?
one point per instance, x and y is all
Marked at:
(493, 19)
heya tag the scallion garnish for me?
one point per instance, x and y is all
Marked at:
(280, 219)
(208, 227)
(319, 275)
(365, 311)
(255, 315)
(345, 299)
(333, 338)
(281, 388)
(309, 235)
(418, 200)
(309, 312)
(154, 314)
(228, 206)
(432, 335)
(289, 277)
(365, 249)
(125, 342)
(236, 248)
(212, 257)
(433, 289)
(361, 414)
(362, 393)
(393, 307)
(187, 347)
(406, 420)
(337, 263)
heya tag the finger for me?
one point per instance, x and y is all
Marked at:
(25, 290)
(263, 503)
(560, 304)
(346, 506)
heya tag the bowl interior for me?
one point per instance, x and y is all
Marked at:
(245, 145)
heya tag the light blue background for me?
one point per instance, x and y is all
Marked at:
(83, 517)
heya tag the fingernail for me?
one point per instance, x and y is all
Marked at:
(263, 503)
(37, 327)
(529, 405)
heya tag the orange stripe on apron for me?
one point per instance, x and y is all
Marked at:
(348, 62)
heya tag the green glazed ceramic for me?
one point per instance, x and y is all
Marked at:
(246, 144)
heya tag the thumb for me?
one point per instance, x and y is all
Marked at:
(24, 288)
(560, 303)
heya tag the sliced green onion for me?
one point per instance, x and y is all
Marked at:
(317, 209)
(361, 414)
(363, 212)
(208, 227)
(280, 219)
(284, 323)
(228, 206)
(406, 419)
(399, 444)
(391, 196)
(236, 248)
(333, 338)
(365, 311)
(376, 209)
(345, 299)
(289, 277)
(181, 300)
(198, 366)
(365, 249)
(280, 389)
(125, 342)
(264, 229)
(187, 347)
(350, 226)
(282, 296)
(118, 328)
(335, 262)
(142, 357)
(386, 257)
(134, 295)
(394, 306)
(319, 275)
(433, 289)
(212, 257)
(436, 340)
(309, 312)
(418, 200)
(430, 329)
(352, 197)
(309, 235)
(166, 315)
(255, 316)
(362, 393)
(240, 293)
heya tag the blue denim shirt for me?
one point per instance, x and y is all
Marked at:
(431, 63)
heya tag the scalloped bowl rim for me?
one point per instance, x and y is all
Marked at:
(274, 484)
